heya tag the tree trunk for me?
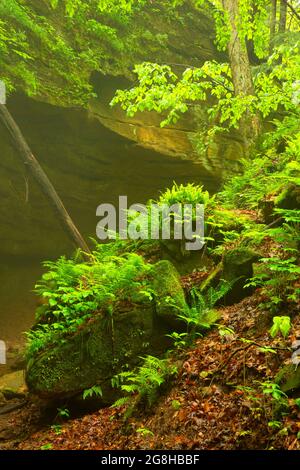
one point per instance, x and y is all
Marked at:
(241, 71)
(283, 16)
(41, 178)
(273, 22)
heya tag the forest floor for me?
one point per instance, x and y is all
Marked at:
(215, 402)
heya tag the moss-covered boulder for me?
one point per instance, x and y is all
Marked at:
(108, 340)
(92, 355)
(237, 269)
(289, 197)
(168, 292)
(289, 378)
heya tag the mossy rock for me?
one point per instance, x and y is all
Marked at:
(288, 378)
(237, 269)
(286, 198)
(168, 291)
(106, 343)
(289, 198)
(92, 356)
(220, 220)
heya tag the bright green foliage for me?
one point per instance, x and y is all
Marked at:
(276, 276)
(270, 182)
(281, 325)
(51, 48)
(123, 7)
(252, 23)
(93, 391)
(189, 194)
(274, 391)
(275, 166)
(185, 194)
(57, 428)
(21, 30)
(144, 383)
(46, 446)
(145, 432)
(201, 314)
(63, 413)
(160, 89)
(76, 291)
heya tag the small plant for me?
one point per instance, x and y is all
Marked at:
(96, 390)
(225, 331)
(63, 413)
(176, 405)
(201, 315)
(272, 389)
(57, 429)
(180, 339)
(276, 277)
(297, 402)
(143, 385)
(145, 432)
(281, 325)
(185, 194)
(275, 424)
(46, 446)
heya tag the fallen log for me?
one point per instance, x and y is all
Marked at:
(42, 179)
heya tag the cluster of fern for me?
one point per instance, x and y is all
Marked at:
(74, 291)
(142, 386)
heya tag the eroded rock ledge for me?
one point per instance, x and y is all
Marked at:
(221, 157)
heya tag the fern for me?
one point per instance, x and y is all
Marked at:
(74, 291)
(143, 385)
(201, 314)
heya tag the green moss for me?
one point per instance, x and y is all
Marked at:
(237, 269)
(288, 198)
(288, 378)
(92, 356)
(168, 291)
(92, 41)
(97, 349)
(237, 262)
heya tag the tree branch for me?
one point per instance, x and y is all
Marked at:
(293, 9)
(33, 166)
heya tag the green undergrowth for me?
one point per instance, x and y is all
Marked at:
(274, 166)
(74, 291)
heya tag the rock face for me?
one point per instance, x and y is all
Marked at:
(222, 156)
(87, 164)
(145, 130)
(12, 384)
(102, 346)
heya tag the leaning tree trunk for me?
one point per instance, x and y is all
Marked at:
(41, 178)
(241, 71)
(283, 16)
